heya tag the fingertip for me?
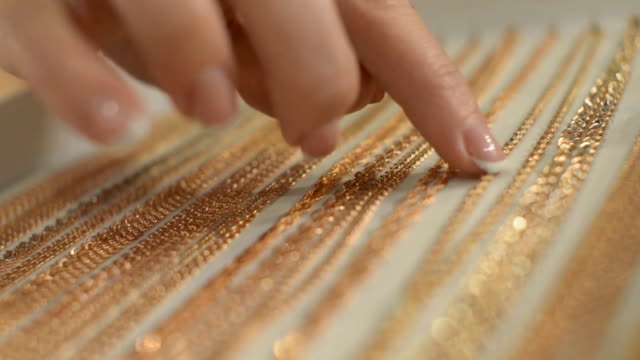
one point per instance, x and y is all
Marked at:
(482, 152)
(322, 141)
(108, 120)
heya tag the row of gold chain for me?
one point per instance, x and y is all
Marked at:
(265, 161)
(323, 186)
(27, 212)
(436, 267)
(37, 250)
(90, 215)
(497, 280)
(330, 214)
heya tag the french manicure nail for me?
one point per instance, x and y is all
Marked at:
(483, 148)
(214, 100)
(110, 120)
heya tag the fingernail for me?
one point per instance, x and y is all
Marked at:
(110, 120)
(483, 148)
(214, 100)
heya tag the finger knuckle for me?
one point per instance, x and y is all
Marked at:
(449, 78)
(335, 88)
(448, 74)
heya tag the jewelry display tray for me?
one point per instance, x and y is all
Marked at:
(570, 291)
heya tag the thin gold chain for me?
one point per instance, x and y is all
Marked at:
(434, 271)
(362, 195)
(393, 150)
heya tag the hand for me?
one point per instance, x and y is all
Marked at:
(306, 63)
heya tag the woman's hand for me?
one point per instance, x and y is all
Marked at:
(305, 62)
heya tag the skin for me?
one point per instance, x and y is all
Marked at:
(307, 65)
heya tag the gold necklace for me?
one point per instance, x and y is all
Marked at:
(213, 290)
(365, 193)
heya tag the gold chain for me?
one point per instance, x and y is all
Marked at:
(434, 269)
(196, 256)
(522, 239)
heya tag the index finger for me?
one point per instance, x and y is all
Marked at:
(395, 45)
